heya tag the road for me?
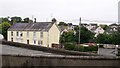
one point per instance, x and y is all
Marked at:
(5, 49)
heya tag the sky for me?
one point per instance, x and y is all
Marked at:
(62, 10)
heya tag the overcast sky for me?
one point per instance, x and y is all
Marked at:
(62, 10)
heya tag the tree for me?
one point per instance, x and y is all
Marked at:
(26, 20)
(6, 19)
(16, 19)
(67, 37)
(104, 38)
(85, 35)
(116, 38)
(62, 24)
(3, 29)
(105, 27)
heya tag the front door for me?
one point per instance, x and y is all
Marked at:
(27, 41)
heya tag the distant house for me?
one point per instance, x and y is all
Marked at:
(97, 30)
(113, 25)
(111, 30)
(91, 26)
(84, 24)
(70, 26)
(40, 33)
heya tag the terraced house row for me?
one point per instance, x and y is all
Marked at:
(39, 33)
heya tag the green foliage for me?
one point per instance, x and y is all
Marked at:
(62, 24)
(79, 48)
(90, 48)
(116, 38)
(69, 46)
(3, 29)
(104, 39)
(67, 37)
(16, 19)
(109, 39)
(85, 35)
(26, 20)
(105, 27)
(75, 47)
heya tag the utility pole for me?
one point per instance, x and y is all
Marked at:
(79, 33)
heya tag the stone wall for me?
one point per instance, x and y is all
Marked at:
(20, 60)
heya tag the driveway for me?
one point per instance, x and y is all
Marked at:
(106, 52)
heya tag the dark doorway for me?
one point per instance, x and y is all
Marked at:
(27, 41)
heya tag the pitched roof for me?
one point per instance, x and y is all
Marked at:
(39, 26)
(18, 26)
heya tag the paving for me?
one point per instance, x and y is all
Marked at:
(106, 52)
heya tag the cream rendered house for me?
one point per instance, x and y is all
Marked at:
(39, 33)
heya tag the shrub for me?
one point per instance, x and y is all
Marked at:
(89, 49)
(69, 46)
(80, 48)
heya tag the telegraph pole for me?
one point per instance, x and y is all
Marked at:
(79, 33)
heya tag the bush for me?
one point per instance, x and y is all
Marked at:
(89, 49)
(80, 48)
(69, 46)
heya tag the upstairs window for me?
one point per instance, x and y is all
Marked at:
(27, 34)
(41, 34)
(17, 33)
(34, 34)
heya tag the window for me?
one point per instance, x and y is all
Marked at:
(34, 34)
(41, 34)
(21, 34)
(17, 33)
(34, 41)
(27, 34)
(12, 33)
(12, 39)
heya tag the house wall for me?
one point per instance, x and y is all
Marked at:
(31, 38)
(54, 34)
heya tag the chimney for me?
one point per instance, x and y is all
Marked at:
(54, 20)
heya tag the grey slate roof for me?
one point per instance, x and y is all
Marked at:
(39, 26)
